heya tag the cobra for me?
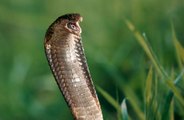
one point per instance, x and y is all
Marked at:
(67, 61)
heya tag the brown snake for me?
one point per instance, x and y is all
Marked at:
(65, 54)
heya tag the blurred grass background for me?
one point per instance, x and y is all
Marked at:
(116, 60)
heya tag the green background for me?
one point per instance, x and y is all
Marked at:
(27, 88)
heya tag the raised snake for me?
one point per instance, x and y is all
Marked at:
(65, 54)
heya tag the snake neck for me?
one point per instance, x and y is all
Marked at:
(68, 64)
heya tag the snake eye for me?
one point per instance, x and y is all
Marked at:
(72, 26)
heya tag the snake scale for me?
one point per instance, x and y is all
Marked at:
(66, 58)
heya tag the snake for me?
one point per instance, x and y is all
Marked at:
(65, 54)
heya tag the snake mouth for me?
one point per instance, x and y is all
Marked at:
(78, 26)
(80, 19)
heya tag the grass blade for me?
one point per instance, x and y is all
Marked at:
(144, 45)
(166, 106)
(179, 49)
(172, 110)
(124, 110)
(158, 67)
(148, 85)
(148, 93)
(151, 100)
(129, 93)
(110, 99)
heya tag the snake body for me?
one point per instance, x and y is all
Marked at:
(65, 54)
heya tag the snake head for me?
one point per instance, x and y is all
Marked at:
(70, 23)
(64, 25)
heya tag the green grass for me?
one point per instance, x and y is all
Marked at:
(159, 105)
